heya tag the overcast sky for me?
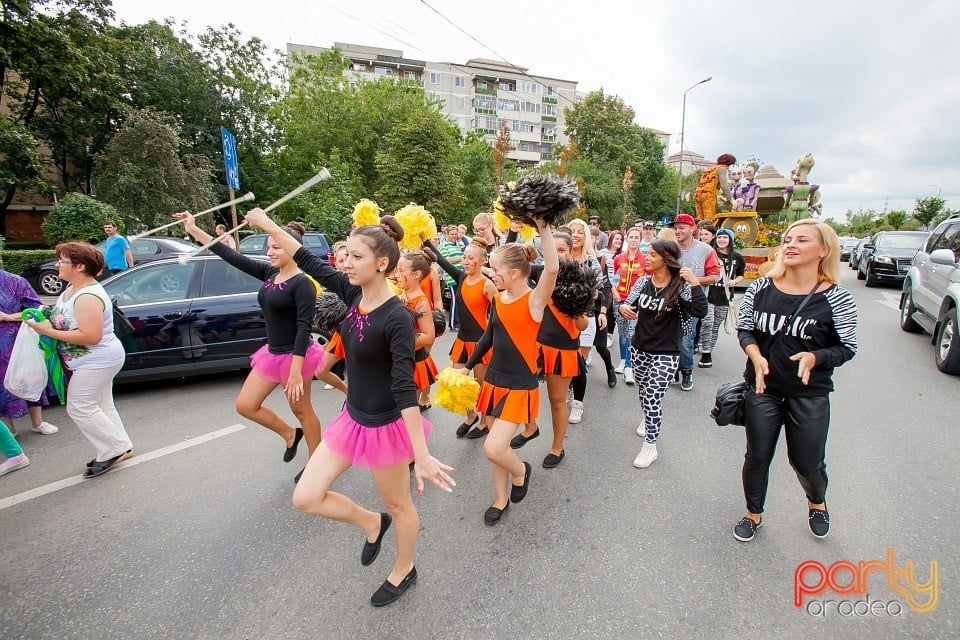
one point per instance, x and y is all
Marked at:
(870, 91)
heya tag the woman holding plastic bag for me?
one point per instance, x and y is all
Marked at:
(16, 294)
(82, 323)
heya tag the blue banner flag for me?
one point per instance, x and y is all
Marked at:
(230, 158)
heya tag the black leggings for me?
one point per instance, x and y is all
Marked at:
(806, 422)
(579, 382)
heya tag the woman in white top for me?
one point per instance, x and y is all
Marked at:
(82, 322)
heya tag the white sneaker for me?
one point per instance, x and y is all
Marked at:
(619, 367)
(327, 387)
(569, 396)
(45, 428)
(590, 359)
(14, 463)
(648, 453)
(576, 412)
(609, 341)
(628, 376)
(642, 428)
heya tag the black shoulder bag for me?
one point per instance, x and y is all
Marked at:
(729, 405)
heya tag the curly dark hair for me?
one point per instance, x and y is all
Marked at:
(727, 159)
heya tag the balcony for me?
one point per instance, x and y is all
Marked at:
(548, 118)
(488, 112)
(485, 92)
(549, 100)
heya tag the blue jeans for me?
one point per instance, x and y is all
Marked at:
(686, 347)
(625, 329)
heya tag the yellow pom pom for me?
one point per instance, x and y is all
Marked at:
(366, 212)
(415, 220)
(456, 392)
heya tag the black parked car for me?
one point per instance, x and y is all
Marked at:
(857, 251)
(192, 318)
(889, 256)
(43, 275)
(315, 242)
(847, 245)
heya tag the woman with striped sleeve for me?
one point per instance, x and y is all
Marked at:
(796, 325)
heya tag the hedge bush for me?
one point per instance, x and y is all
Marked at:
(79, 217)
(15, 261)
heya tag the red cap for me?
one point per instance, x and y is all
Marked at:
(685, 218)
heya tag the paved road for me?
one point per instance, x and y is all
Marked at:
(203, 543)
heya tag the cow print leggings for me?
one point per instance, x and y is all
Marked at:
(652, 373)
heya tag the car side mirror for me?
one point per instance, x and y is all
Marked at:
(944, 257)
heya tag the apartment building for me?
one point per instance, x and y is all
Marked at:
(478, 95)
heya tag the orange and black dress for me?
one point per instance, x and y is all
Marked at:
(510, 388)
(427, 286)
(559, 341)
(335, 346)
(424, 368)
(474, 309)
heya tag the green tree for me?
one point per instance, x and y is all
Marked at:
(141, 174)
(600, 190)
(416, 164)
(861, 223)
(328, 206)
(20, 164)
(896, 219)
(474, 162)
(605, 133)
(926, 210)
(78, 217)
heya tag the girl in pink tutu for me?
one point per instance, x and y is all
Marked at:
(291, 356)
(380, 426)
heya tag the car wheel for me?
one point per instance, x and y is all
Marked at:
(947, 352)
(49, 283)
(870, 281)
(860, 275)
(907, 323)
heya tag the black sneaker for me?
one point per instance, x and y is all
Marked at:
(706, 361)
(686, 380)
(611, 378)
(819, 521)
(746, 529)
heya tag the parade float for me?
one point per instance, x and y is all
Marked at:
(765, 202)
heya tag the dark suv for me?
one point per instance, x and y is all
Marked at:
(889, 256)
(315, 242)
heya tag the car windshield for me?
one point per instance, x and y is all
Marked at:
(850, 243)
(911, 242)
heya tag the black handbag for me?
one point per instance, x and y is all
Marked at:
(728, 407)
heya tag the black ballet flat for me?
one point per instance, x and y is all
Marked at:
(477, 433)
(519, 440)
(291, 452)
(519, 493)
(464, 427)
(492, 515)
(388, 593)
(372, 549)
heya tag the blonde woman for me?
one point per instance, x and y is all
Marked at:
(796, 325)
(595, 335)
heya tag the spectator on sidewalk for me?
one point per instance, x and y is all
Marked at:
(116, 251)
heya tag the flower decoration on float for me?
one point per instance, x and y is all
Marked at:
(415, 220)
(455, 392)
(540, 196)
(366, 212)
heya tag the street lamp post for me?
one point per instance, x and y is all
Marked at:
(683, 124)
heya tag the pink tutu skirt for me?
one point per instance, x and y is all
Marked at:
(275, 367)
(370, 447)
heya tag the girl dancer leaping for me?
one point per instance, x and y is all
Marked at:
(379, 426)
(290, 357)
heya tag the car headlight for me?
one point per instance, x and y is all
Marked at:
(884, 259)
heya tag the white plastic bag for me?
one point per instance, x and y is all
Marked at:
(27, 372)
(733, 316)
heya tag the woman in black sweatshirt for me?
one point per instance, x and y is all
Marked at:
(659, 302)
(796, 325)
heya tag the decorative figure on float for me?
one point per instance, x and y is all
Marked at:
(713, 181)
(802, 199)
(746, 191)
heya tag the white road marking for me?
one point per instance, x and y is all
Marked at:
(890, 299)
(22, 497)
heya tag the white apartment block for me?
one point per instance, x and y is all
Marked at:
(477, 96)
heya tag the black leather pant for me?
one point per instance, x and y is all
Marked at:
(807, 421)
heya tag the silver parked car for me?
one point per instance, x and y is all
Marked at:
(931, 294)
